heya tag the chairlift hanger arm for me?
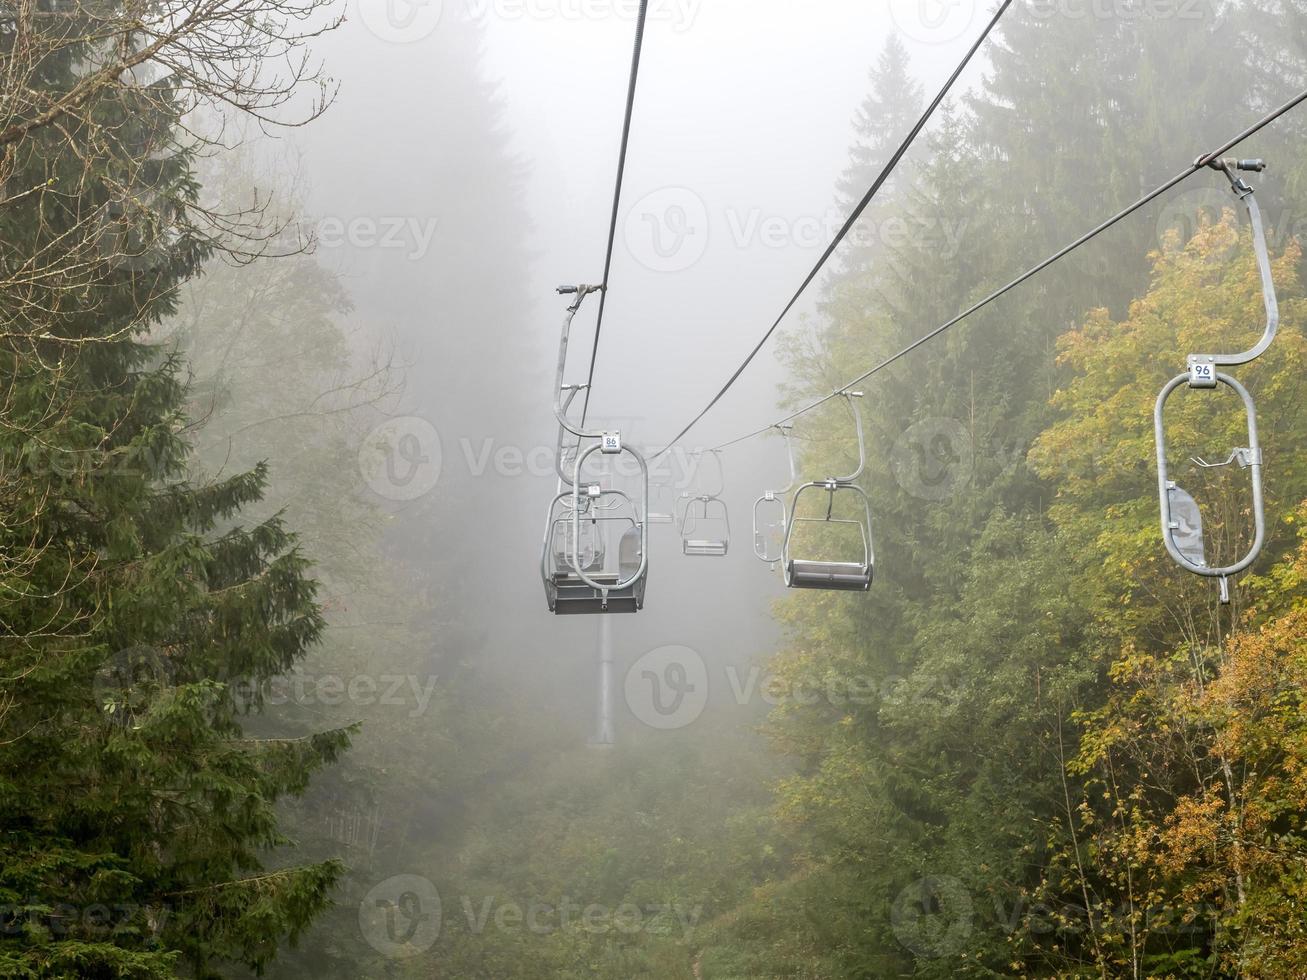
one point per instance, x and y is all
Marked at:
(776, 498)
(564, 450)
(721, 473)
(1244, 191)
(787, 433)
(562, 389)
(851, 397)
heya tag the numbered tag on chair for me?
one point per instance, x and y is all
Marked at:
(1202, 374)
(612, 443)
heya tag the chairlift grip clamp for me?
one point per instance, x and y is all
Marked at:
(1229, 166)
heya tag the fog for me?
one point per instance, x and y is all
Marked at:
(720, 123)
(289, 690)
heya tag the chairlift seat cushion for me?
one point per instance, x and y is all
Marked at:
(848, 576)
(702, 547)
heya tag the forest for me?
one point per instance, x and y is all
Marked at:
(280, 694)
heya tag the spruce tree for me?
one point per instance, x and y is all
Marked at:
(140, 614)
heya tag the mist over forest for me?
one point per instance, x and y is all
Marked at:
(896, 578)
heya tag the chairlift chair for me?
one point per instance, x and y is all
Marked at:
(662, 506)
(577, 580)
(1182, 522)
(586, 581)
(705, 521)
(836, 575)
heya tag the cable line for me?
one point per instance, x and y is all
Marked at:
(867, 198)
(1061, 253)
(617, 197)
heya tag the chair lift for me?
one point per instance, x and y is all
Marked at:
(579, 578)
(765, 531)
(662, 505)
(850, 576)
(1182, 522)
(705, 522)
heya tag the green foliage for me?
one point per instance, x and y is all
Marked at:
(1021, 637)
(137, 606)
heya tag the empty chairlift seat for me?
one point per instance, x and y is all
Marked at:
(705, 523)
(662, 507)
(847, 574)
(706, 528)
(851, 568)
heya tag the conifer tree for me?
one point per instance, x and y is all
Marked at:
(140, 613)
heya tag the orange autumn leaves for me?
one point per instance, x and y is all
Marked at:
(1194, 772)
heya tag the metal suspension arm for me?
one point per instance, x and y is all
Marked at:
(1203, 367)
(560, 408)
(854, 407)
(787, 432)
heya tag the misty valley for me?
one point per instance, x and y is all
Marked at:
(689, 490)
